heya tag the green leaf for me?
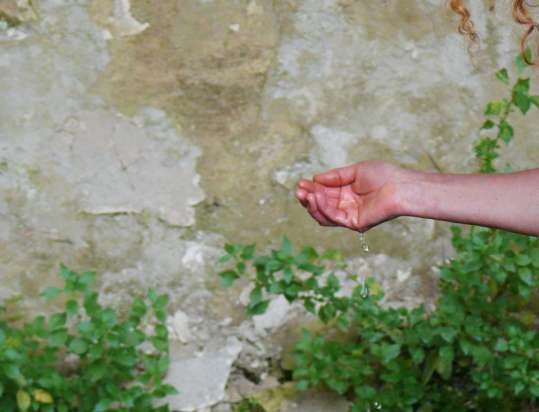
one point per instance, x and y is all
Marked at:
(78, 346)
(161, 302)
(23, 400)
(494, 108)
(522, 101)
(534, 257)
(248, 252)
(86, 327)
(333, 282)
(255, 296)
(109, 317)
(101, 406)
(534, 100)
(58, 338)
(66, 273)
(503, 76)
(233, 249)
(327, 312)
(524, 291)
(390, 352)
(50, 292)
(418, 354)
(96, 371)
(481, 355)
(526, 276)
(309, 305)
(288, 275)
(365, 392)
(522, 86)
(430, 365)
(71, 307)
(86, 279)
(291, 292)
(259, 308)
(228, 277)
(522, 260)
(14, 372)
(505, 131)
(302, 385)
(164, 390)
(138, 308)
(57, 320)
(286, 246)
(444, 365)
(448, 333)
(240, 267)
(501, 345)
(332, 254)
(488, 124)
(307, 254)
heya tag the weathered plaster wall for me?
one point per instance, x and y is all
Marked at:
(136, 138)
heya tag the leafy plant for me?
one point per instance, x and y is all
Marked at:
(248, 405)
(498, 111)
(87, 357)
(477, 351)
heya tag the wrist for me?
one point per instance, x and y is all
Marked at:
(410, 193)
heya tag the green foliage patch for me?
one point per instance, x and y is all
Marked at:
(86, 358)
(477, 351)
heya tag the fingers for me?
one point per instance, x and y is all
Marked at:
(315, 212)
(304, 187)
(301, 195)
(337, 177)
(307, 185)
(328, 208)
(305, 195)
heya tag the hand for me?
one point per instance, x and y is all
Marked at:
(357, 197)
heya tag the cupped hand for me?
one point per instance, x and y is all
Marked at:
(358, 197)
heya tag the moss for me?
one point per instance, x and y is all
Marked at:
(271, 399)
(248, 405)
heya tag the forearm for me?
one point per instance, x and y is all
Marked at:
(507, 201)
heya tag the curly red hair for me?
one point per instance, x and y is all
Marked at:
(520, 14)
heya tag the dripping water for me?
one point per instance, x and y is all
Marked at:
(363, 241)
(364, 292)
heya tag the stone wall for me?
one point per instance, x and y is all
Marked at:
(137, 138)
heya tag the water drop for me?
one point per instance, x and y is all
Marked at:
(364, 292)
(363, 241)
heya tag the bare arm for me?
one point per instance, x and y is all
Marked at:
(365, 194)
(507, 201)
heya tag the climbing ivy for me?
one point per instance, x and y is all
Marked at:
(478, 350)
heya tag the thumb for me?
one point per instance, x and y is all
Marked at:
(366, 181)
(337, 177)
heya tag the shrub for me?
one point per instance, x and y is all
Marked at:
(87, 357)
(478, 350)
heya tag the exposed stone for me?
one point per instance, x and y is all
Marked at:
(179, 327)
(17, 11)
(202, 379)
(275, 315)
(312, 401)
(122, 20)
(133, 166)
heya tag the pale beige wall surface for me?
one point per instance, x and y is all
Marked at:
(135, 139)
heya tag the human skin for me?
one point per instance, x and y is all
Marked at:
(365, 194)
